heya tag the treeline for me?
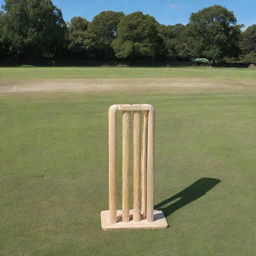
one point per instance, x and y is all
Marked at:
(35, 30)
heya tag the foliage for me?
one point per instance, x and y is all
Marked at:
(33, 28)
(137, 37)
(77, 35)
(175, 41)
(3, 44)
(214, 33)
(101, 33)
(248, 44)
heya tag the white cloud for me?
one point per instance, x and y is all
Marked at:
(175, 6)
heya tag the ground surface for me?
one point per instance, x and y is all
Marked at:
(124, 79)
(53, 171)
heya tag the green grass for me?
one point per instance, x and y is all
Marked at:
(125, 72)
(53, 172)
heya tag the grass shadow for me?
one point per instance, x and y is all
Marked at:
(186, 196)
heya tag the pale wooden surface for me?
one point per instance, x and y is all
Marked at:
(112, 162)
(144, 164)
(150, 165)
(158, 223)
(126, 164)
(136, 164)
(134, 107)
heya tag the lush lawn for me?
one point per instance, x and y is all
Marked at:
(53, 172)
(125, 72)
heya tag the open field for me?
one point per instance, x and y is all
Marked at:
(125, 79)
(125, 85)
(124, 72)
(53, 171)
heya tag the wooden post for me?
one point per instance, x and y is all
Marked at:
(126, 164)
(150, 165)
(136, 164)
(112, 163)
(144, 165)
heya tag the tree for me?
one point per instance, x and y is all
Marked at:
(34, 28)
(101, 33)
(77, 35)
(175, 41)
(3, 45)
(137, 37)
(214, 34)
(248, 44)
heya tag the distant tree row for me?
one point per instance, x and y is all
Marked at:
(32, 29)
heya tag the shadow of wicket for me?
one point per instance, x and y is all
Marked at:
(186, 196)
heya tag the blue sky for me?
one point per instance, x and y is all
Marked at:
(165, 11)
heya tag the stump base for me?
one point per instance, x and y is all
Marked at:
(158, 223)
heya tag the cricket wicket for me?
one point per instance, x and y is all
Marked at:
(141, 118)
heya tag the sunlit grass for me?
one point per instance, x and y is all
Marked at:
(124, 72)
(53, 172)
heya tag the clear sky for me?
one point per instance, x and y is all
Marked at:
(165, 11)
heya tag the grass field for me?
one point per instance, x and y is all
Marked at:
(53, 171)
(124, 72)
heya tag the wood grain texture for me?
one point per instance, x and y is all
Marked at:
(159, 222)
(126, 133)
(136, 164)
(150, 165)
(144, 164)
(112, 163)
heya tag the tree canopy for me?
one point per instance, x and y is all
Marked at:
(101, 33)
(175, 41)
(35, 29)
(248, 44)
(137, 37)
(215, 33)
(3, 45)
(77, 35)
